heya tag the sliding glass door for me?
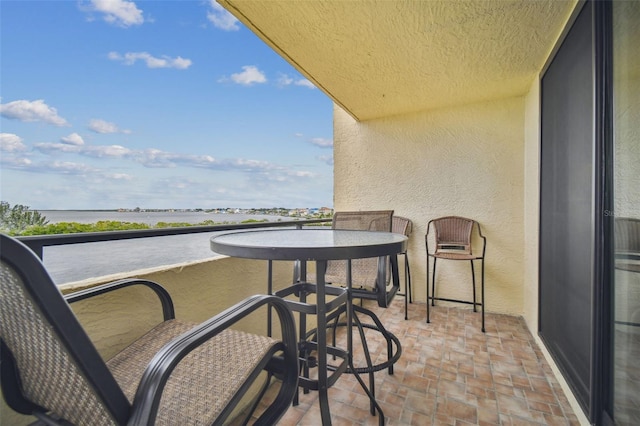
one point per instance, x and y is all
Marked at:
(567, 226)
(590, 210)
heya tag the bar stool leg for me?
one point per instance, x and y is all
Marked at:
(433, 283)
(428, 321)
(482, 296)
(408, 270)
(473, 283)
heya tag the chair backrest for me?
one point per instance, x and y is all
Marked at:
(373, 274)
(453, 233)
(627, 235)
(401, 225)
(376, 220)
(48, 361)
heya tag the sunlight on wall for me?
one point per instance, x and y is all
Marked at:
(465, 161)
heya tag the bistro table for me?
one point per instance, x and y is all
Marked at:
(319, 245)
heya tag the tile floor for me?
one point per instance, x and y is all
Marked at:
(449, 373)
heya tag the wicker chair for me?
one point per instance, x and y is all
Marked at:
(453, 241)
(177, 373)
(404, 226)
(369, 277)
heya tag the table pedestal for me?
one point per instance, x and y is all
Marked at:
(328, 315)
(320, 245)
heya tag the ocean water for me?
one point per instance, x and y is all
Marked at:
(150, 218)
(75, 262)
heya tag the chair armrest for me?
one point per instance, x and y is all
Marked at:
(168, 311)
(157, 373)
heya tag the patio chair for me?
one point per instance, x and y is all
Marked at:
(369, 277)
(453, 241)
(404, 226)
(177, 373)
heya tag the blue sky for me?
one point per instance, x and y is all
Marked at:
(155, 104)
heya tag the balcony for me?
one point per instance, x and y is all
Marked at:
(438, 110)
(449, 372)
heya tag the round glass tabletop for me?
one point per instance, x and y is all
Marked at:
(308, 244)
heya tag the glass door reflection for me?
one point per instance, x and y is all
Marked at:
(626, 213)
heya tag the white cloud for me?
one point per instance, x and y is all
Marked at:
(54, 148)
(10, 142)
(249, 76)
(305, 83)
(55, 167)
(130, 58)
(222, 19)
(98, 151)
(11, 162)
(327, 159)
(72, 139)
(257, 173)
(105, 127)
(118, 176)
(112, 151)
(322, 142)
(31, 111)
(302, 174)
(68, 167)
(118, 12)
(286, 80)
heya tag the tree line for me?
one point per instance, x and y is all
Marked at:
(20, 220)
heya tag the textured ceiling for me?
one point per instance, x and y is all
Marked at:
(383, 58)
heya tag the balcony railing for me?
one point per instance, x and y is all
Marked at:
(38, 242)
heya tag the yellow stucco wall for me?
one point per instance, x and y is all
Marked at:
(464, 161)
(626, 98)
(531, 205)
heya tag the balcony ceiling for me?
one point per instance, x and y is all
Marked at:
(378, 58)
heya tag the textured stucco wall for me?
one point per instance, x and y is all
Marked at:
(626, 98)
(531, 205)
(465, 161)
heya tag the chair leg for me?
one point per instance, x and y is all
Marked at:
(473, 283)
(428, 321)
(482, 293)
(433, 284)
(408, 275)
(407, 287)
(406, 308)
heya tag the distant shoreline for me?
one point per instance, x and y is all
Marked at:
(152, 218)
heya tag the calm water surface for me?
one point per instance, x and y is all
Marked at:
(75, 262)
(150, 218)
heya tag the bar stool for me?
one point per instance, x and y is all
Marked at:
(453, 242)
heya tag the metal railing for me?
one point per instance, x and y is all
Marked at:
(38, 242)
